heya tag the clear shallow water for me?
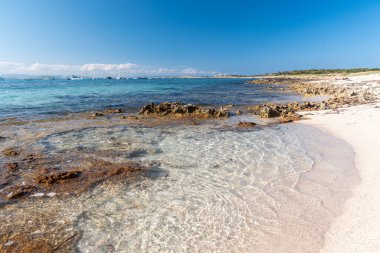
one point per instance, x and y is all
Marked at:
(214, 190)
(45, 97)
(211, 188)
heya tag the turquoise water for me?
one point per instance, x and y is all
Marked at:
(20, 98)
(208, 188)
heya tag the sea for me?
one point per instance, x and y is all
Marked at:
(43, 98)
(212, 187)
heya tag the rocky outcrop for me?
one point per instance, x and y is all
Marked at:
(179, 109)
(269, 112)
(340, 95)
(277, 80)
(275, 110)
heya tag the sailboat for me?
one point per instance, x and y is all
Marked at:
(47, 76)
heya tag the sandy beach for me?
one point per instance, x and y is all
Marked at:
(358, 228)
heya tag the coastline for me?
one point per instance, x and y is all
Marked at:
(358, 227)
(351, 109)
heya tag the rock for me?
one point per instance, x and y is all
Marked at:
(131, 117)
(10, 152)
(222, 112)
(11, 166)
(255, 109)
(2, 138)
(147, 109)
(290, 118)
(353, 93)
(18, 191)
(38, 194)
(97, 114)
(51, 194)
(57, 177)
(268, 112)
(178, 109)
(246, 124)
(114, 110)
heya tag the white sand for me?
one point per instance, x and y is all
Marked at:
(358, 228)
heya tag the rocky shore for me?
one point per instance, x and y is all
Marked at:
(341, 92)
(181, 110)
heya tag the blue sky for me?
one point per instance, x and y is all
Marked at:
(187, 37)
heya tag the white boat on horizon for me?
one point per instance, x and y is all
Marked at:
(74, 77)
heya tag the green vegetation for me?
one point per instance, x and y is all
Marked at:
(326, 71)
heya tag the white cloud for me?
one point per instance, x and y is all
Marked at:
(9, 63)
(189, 71)
(99, 69)
(108, 67)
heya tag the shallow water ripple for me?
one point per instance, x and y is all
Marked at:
(213, 190)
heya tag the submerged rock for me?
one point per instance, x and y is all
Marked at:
(11, 166)
(33, 173)
(19, 191)
(246, 124)
(10, 152)
(57, 177)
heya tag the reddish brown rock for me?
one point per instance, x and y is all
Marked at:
(18, 191)
(57, 177)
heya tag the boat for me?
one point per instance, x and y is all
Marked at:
(74, 77)
(108, 77)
